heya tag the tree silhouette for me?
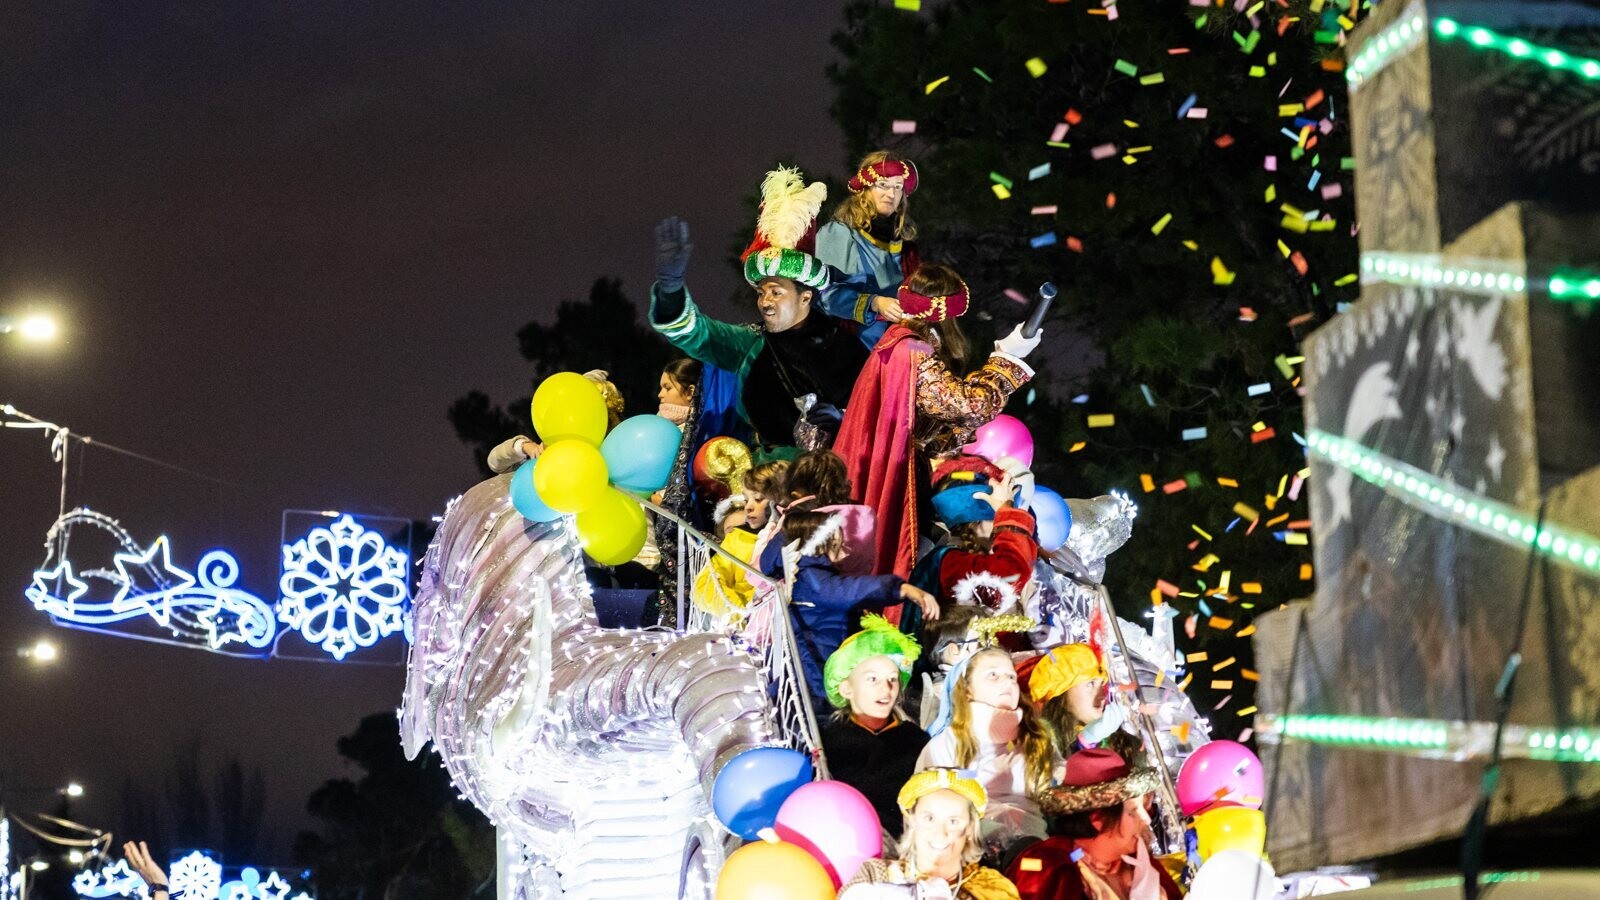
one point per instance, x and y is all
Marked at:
(399, 831)
(606, 331)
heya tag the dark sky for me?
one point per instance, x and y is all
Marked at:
(282, 238)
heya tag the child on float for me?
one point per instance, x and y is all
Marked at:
(1069, 687)
(869, 742)
(984, 725)
(817, 481)
(939, 858)
(723, 588)
(987, 555)
(825, 604)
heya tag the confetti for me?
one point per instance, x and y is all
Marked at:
(1146, 482)
(1246, 631)
(1227, 482)
(903, 126)
(1219, 684)
(1038, 172)
(1265, 434)
(1149, 398)
(1194, 434)
(1000, 191)
(997, 178)
(934, 84)
(1103, 151)
(1015, 296)
(1043, 240)
(1247, 711)
(1059, 133)
(1102, 420)
(1256, 390)
(1172, 487)
(1219, 272)
(1076, 447)
(1198, 656)
(1044, 210)
(1161, 224)
(1218, 667)
(982, 74)
(1126, 68)
(1036, 67)
(909, 5)
(1220, 624)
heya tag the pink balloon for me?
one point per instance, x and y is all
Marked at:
(1221, 773)
(1005, 436)
(833, 822)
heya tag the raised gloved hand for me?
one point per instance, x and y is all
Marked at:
(1015, 345)
(1095, 732)
(672, 254)
(825, 416)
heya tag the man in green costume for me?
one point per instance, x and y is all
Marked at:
(797, 366)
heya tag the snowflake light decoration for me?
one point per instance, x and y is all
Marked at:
(343, 587)
(196, 876)
(251, 886)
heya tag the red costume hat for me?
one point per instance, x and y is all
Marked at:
(866, 176)
(934, 309)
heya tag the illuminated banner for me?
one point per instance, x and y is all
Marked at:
(341, 587)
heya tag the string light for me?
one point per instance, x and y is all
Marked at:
(1434, 738)
(1487, 39)
(1453, 503)
(1400, 37)
(1431, 270)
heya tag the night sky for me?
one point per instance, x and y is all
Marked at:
(282, 237)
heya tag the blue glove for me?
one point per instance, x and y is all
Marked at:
(672, 254)
(1095, 732)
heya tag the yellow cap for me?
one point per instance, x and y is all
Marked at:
(1061, 670)
(929, 780)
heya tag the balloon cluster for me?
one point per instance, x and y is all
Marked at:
(809, 836)
(1007, 437)
(1222, 786)
(586, 472)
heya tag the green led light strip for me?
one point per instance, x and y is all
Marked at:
(1452, 503)
(1486, 276)
(1433, 738)
(1574, 286)
(1400, 36)
(1448, 29)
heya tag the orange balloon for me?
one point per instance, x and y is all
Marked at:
(774, 870)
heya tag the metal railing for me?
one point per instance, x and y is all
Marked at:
(764, 627)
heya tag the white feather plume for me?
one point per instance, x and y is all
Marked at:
(788, 206)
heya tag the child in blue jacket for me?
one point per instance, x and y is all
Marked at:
(826, 605)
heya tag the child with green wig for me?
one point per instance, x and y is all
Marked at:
(869, 742)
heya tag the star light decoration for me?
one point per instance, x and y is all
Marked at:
(201, 607)
(115, 880)
(343, 587)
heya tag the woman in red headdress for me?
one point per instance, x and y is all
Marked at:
(911, 403)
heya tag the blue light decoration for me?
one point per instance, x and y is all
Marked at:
(343, 586)
(198, 875)
(196, 608)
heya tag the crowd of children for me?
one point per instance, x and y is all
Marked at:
(908, 561)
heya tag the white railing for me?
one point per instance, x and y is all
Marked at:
(764, 627)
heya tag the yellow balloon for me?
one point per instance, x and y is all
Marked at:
(613, 529)
(1231, 828)
(571, 476)
(774, 871)
(568, 407)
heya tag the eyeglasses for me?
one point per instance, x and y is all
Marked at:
(889, 187)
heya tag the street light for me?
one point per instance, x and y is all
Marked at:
(36, 327)
(43, 652)
(73, 789)
(39, 865)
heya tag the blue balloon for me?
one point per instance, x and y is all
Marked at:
(753, 785)
(1053, 516)
(525, 497)
(639, 453)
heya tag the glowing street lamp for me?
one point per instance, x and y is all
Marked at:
(43, 652)
(73, 789)
(37, 327)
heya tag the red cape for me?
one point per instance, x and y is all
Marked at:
(878, 446)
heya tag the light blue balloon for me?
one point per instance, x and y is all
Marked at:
(749, 790)
(639, 453)
(1053, 516)
(525, 497)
